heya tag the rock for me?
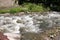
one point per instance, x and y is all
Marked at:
(6, 3)
(3, 37)
(20, 21)
(22, 30)
(5, 14)
(20, 13)
(13, 36)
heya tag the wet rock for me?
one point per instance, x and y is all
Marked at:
(22, 30)
(3, 37)
(20, 21)
(2, 30)
(13, 36)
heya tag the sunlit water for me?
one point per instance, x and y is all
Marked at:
(11, 25)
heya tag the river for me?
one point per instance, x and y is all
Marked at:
(11, 25)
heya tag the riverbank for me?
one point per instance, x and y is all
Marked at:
(26, 7)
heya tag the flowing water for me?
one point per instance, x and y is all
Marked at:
(11, 25)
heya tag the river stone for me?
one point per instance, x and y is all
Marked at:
(20, 21)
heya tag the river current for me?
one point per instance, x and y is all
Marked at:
(11, 25)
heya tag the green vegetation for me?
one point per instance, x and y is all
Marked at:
(26, 7)
(54, 5)
(34, 6)
(11, 10)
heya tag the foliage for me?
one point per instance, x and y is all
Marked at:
(4, 11)
(53, 4)
(15, 10)
(34, 7)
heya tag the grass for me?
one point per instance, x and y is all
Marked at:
(11, 10)
(26, 7)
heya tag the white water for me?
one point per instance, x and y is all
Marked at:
(31, 23)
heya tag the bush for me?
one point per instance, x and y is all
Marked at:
(31, 7)
(53, 4)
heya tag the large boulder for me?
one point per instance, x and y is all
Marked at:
(3, 37)
(6, 3)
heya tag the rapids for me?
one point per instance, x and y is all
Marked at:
(11, 25)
